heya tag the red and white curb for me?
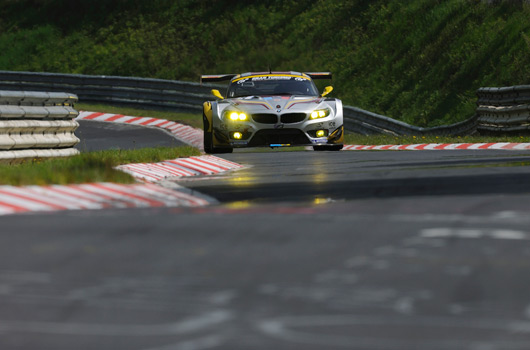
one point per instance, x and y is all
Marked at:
(190, 135)
(91, 196)
(441, 146)
(15, 200)
(194, 136)
(25, 199)
(180, 167)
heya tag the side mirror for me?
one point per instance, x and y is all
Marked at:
(217, 94)
(327, 90)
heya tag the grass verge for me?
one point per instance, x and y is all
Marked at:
(355, 139)
(87, 167)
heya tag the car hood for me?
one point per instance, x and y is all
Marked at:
(275, 104)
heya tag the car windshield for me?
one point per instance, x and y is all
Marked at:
(272, 85)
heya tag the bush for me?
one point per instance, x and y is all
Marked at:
(415, 60)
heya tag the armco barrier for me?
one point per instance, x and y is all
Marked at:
(504, 110)
(368, 123)
(504, 96)
(36, 125)
(141, 92)
(189, 96)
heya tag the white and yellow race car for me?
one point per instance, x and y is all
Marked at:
(272, 109)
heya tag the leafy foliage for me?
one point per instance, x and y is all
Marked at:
(415, 60)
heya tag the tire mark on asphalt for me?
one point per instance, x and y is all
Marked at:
(190, 325)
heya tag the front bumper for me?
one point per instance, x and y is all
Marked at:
(308, 133)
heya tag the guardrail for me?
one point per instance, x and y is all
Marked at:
(504, 110)
(36, 125)
(504, 96)
(189, 96)
(141, 92)
(368, 123)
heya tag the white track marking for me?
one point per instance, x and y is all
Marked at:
(444, 232)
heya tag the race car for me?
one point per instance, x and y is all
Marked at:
(272, 109)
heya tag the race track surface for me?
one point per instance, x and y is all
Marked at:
(313, 176)
(307, 250)
(97, 136)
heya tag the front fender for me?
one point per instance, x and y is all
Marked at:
(207, 116)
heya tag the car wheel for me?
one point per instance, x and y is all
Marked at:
(223, 150)
(207, 143)
(208, 137)
(328, 148)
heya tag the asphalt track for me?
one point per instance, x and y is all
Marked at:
(97, 136)
(307, 250)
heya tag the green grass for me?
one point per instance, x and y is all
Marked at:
(419, 61)
(355, 139)
(193, 119)
(86, 167)
(98, 166)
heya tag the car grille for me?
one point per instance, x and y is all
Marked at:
(293, 117)
(265, 118)
(267, 137)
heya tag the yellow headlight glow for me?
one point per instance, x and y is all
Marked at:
(321, 133)
(322, 113)
(235, 116)
(237, 135)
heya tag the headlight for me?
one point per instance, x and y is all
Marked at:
(319, 113)
(321, 133)
(236, 116)
(237, 135)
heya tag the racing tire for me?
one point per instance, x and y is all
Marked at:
(210, 149)
(208, 145)
(207, 136)
(223, 150)
(208, 142)
(328, 148)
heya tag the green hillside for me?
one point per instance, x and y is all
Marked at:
(415, 60)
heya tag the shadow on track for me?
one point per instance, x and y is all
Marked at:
(383, 188)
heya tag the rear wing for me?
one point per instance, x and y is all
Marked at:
(319, 75)
(215, 78)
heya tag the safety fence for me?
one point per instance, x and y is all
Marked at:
(499, 110)
(504, 110)
(368, 123)
(131, 91)
(36, 125)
